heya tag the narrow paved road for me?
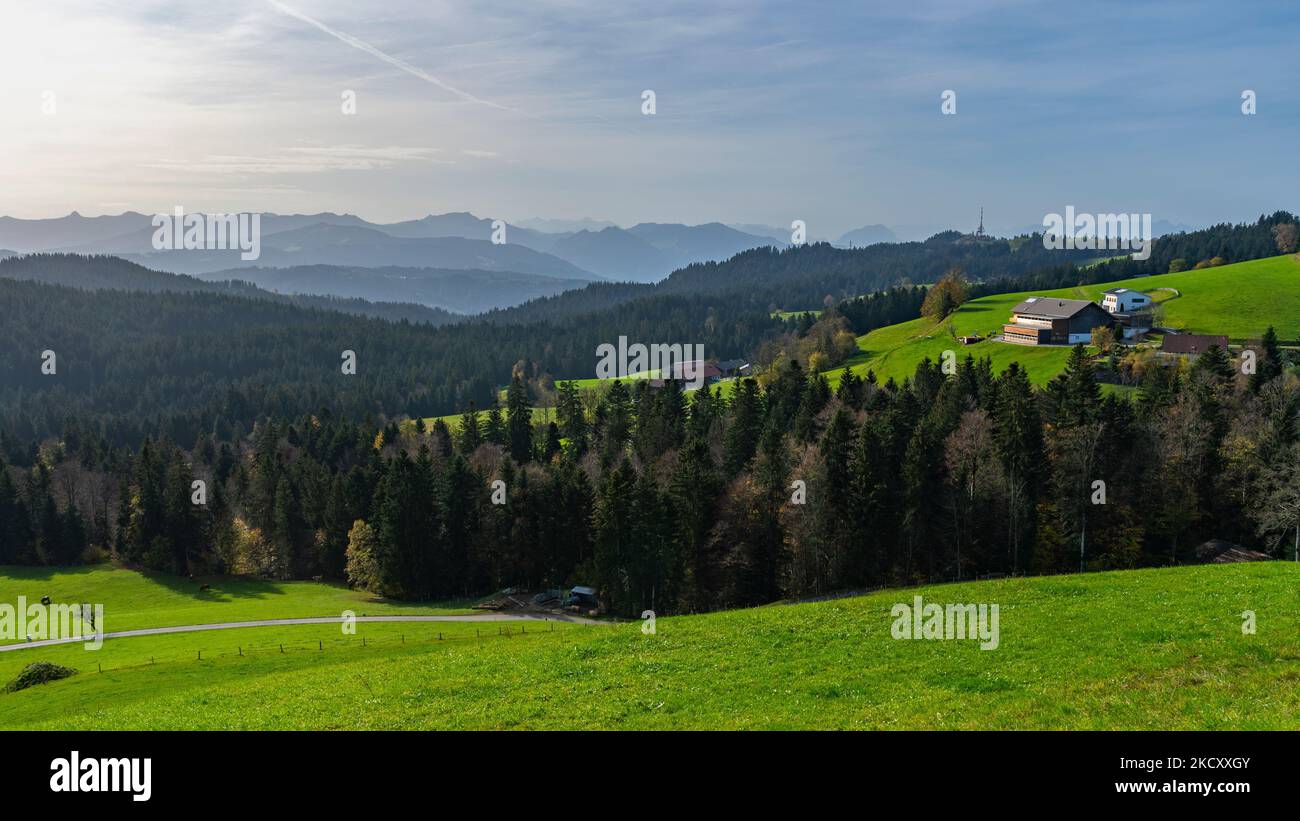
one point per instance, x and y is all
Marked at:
(230, 625)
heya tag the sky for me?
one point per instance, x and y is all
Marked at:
(765, 112)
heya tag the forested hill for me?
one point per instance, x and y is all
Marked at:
(131, 363)
(1229, 242)
(107, 272)
(803, 276)
(928, 477)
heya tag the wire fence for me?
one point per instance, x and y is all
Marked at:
(356, 642)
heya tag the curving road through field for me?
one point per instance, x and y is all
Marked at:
(230, 625)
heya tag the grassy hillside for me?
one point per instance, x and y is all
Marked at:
(539, 415)
(134, 600)
(1239, 300)
(1159, 648)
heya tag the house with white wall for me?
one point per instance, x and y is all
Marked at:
(1131, 309)
(1124, 300)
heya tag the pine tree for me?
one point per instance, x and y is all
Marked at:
(1018, 434)
(830, 505)
(495, 429)
(470, 438)
(650, 563)
(339, 516)
(614, 536)
(850, 388)
(1075, 393)
(49, 542)
(1215, 363)
(282, 531)
(572, 419)
(15, 530)
(442, 438)
(519, 422)
(73, 536)
(694, 489)
(705, 407)
(179, 525)
(551, 447)
(1269, 366)
(459, 506)
(770, 553)
(617, 416)
(744, 427)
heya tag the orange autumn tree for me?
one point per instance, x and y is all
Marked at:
(945, 296)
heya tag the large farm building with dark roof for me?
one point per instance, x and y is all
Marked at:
(1043, 320)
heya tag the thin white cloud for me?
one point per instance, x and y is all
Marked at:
(305, 159)
(387, 58)
(479, 152)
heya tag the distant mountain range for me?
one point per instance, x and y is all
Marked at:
(461, 291)
(590, 251)
(447, 261)
(562, 226)
(866, 235)
(323, 244)
(857, 238)
(97, 273)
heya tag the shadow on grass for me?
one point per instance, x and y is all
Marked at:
(45, 573)
(221, 589)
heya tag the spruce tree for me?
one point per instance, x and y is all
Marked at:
(470, 438)
(744, 427)
(495, 429)
(1269, 366)
(519, 422)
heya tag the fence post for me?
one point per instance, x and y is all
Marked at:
(363, 641)
(100, 666)
(320, 644)
(440, 637)
(282, 648)
(241, 649)
(200, 655)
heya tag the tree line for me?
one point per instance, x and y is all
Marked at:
(135, 360)
(675, 501)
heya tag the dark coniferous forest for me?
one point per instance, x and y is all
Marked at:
(661, 498)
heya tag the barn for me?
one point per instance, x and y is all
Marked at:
(1052, 321)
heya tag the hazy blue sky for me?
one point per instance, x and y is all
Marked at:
(766, 112)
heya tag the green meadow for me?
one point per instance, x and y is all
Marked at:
(133, 600)
(539, 415)
(1144, 649)
(1239, 300)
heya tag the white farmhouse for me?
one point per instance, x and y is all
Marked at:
(1124, 300)
(1131, 310)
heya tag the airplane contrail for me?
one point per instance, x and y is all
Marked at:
(388, 58)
